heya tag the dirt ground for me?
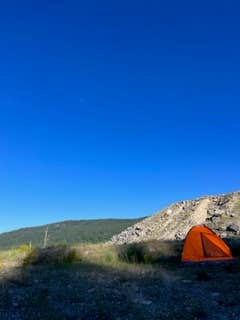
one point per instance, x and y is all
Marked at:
(90, 292)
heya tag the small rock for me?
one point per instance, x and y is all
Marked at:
(215, 294)
(216, 219)
(15, 304)
(146, 302)
(217, 214)
(220, 228)
(91, 290)
(186, 281)
(233, 228)
(179, 235)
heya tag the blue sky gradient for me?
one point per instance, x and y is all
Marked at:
(116, 109)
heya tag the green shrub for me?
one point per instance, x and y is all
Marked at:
(71, 256)
(150, 252)
(131, 253)
(24, 248)
(52, 255)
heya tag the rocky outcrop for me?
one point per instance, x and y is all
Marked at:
(220, 213)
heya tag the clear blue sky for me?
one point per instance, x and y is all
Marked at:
(116, 108)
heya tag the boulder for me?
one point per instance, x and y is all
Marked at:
(220, 228)
(217, 213)
(216, 219)
(233, 228)
(179, 236)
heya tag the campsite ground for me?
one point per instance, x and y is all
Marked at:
(92, 283)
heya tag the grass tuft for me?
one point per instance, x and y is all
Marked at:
(52, 255)
(150, 252)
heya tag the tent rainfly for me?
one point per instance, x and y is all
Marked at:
(202, 244)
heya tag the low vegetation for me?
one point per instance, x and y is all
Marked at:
(14, 257)
(101, 281)
(151, 252)
(66, 233)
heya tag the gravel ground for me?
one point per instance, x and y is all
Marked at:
(91, 292)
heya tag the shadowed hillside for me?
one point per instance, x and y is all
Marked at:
(66, 232)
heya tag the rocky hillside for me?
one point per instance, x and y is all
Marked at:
(221, 213)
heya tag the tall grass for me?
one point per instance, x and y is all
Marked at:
(101, 254)
(14, 256)
(151, 252)
(106, 254)
(61, 254)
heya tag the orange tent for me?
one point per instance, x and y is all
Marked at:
(202, 244)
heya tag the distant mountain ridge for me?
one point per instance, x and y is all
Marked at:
(221, 213)
(66, 232)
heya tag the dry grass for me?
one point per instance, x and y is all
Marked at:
(102, 254)
(14, 256)
(52, 255)
(147, 253)
(118, 256)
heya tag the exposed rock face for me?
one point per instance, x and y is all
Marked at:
(220, 213)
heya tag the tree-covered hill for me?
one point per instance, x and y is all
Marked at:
(66, 232)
